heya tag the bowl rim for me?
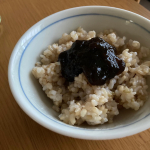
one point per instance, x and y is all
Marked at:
(35, 116)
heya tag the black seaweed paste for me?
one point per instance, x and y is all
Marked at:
(95, 58)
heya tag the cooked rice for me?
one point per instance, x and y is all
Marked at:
(79, 101)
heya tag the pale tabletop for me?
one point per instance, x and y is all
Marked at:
(17, 130)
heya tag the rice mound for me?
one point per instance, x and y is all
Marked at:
(79, 101)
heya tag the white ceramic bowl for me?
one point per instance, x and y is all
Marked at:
(28, 92)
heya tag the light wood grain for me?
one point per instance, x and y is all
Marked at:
(137, 1)
(17, 130)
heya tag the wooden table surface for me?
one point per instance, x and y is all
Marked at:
(17, 130)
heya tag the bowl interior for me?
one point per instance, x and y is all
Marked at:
(48, 31)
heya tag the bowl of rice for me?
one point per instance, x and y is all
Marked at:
(77, 108)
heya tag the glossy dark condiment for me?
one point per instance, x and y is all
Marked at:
(95, 58)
